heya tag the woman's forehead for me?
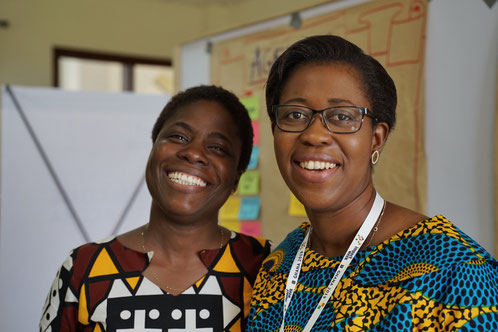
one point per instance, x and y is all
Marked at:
(204, 114)
(327, 81)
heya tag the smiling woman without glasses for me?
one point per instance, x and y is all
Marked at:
(360, 263)
(181, 271)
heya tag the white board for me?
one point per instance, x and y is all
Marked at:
(97, 146)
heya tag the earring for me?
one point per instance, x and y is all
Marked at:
(375, 157)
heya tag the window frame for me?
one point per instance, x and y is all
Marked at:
(127, 61)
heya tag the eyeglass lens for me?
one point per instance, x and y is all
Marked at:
(341, 119)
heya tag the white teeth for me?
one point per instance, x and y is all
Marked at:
(310, 164)
(185, 179)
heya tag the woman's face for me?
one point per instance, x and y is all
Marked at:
(343, 169)
(192, 168)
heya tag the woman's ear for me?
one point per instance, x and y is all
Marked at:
(379, 136)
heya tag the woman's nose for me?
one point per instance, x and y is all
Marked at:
(316, 133)
(193, 153)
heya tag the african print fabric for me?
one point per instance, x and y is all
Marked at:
(100, 287)
(429, 277)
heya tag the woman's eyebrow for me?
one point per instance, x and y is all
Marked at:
(216, 134)
(330, 100)
(183, 125)
(339, 101)
(293, 100)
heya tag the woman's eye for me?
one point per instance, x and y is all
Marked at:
(178, 138)
(218, 149)
(341, 117)
(295, 115)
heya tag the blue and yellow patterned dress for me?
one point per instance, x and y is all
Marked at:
(429, 277)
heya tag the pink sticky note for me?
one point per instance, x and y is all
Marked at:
(252, 228)
(255, 129)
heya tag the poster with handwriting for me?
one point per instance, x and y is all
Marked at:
(393, 32)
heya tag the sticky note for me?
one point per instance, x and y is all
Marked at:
(249, 183)
(252, 228)
(255, 129)
(233, 225)
(253, 162)
(296, 209)
(249, 208)
(252, 105)
(231, 208)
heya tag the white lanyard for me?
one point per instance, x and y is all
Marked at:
(295, 270)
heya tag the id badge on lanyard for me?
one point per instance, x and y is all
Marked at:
(355, 245)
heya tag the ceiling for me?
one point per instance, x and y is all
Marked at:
(206, 2)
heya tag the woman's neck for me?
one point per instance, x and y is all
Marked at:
(333, 231)
(179, 239)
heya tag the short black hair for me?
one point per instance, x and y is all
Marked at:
(377, 85)
(230, 102)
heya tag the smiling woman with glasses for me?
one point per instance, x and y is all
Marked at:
(360, 263)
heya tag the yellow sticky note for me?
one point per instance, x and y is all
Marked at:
(249, 183)
(230, 210)
(252, 105)
(233, 225)
(296, 209)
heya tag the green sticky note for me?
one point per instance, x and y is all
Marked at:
(249, 183)
(252, 105)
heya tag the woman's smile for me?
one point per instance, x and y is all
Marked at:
(315, 168)
(316, 165)
(186, 179)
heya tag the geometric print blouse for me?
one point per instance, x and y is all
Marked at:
(100, 287)
(429, 277)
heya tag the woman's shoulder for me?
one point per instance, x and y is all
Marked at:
(427, 248)
(248, 241)
(280, 260)
(102, 256)
(249, 248)
(244, 251)
(438, 259)
(435, 235)
(90, 248)
(439, 235)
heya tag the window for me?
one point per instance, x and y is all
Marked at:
(83, 70)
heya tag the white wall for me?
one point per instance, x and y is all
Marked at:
(461, 70)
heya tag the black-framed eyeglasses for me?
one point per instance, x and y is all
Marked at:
(337, 119)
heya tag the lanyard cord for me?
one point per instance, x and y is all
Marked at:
(355, 245)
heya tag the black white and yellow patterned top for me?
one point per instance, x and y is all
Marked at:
(100, 287)
(429, 277)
